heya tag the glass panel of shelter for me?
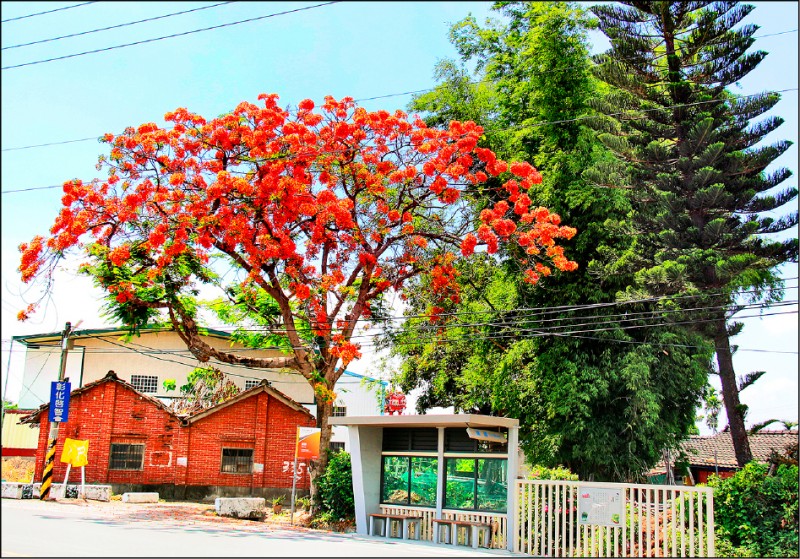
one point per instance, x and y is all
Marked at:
(409, 470)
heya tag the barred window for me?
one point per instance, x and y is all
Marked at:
(248, 384)
(339, 411)
(336, 447)
(126, 456)
(145, 383)
(237, 460)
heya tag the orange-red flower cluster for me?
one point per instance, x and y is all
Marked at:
(330, 206)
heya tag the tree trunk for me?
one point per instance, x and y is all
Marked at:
(730, 394)
(324, 411)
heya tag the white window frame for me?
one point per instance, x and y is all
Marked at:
(252, 382)
(144, 381)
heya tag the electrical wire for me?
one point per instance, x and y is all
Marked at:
(47, 12)
(386, 96)
(515, 332)
(288, 157)
(105, 49)
(114, 26)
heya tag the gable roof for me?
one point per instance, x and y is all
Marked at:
(50, 337)
(263, 386)
(34, 417)
(700, 450)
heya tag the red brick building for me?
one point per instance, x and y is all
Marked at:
(242, 447)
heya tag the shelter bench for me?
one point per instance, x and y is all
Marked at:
(387, 519)
(472, 536)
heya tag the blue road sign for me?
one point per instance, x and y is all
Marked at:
(59, 402)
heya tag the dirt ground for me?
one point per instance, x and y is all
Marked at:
(185, 512)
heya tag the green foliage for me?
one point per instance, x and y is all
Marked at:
(609, 400)
(756, 514)
(136, 299)
(336, 487)
(170, 384)
(7, 405)
(257, 319)
(696, 167)
(556, 473)
(205, 387)
(278, 500)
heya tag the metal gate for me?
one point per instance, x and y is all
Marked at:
(588, 519)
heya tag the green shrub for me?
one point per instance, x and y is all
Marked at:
(336, 488)
(557, 473)
(755, 513)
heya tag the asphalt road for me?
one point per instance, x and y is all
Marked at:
(31, 528)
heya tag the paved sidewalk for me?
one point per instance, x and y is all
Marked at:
(74, 528)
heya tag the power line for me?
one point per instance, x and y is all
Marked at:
(168, 36)
(47, 12)
(594, 321)
(495, 130)
(388, 95)
(538, 332)
(113, 26)
(52, 144)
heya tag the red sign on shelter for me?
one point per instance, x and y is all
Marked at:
(395, 403)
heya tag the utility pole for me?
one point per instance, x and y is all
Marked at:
(49, 458)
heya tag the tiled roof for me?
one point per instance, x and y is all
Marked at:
(700, 450)
(34, 417)
(263, 386)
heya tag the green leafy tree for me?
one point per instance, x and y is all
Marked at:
(599, 392)
(692, 159)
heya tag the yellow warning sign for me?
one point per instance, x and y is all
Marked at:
(75, 452)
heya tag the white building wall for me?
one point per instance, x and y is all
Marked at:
(160, 354)
(358, 398)
(42, 366)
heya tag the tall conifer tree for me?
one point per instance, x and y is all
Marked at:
(696, 165)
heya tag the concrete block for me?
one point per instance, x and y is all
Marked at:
(253, 508)
(140, 497)
(12, 490)
(94, 492)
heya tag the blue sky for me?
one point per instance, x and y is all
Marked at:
(360, 49)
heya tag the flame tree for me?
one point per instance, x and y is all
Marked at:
(318, 212)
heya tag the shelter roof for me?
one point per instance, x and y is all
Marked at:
(433, 420)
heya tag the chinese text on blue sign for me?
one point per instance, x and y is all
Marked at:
(59, 401)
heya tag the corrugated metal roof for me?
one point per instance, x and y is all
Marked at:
(17, 435)
(34, 339)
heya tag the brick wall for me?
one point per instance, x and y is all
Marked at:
(261, 423)
(174, 452)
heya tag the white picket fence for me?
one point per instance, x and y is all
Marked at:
(657, 521)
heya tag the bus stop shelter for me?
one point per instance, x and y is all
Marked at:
(454, 466)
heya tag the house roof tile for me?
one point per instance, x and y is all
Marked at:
(34, 417)
(718, 449)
